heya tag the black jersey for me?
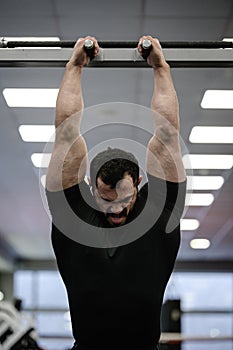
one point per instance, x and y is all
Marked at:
(115, 294)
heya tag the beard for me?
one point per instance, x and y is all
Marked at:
(118, 216)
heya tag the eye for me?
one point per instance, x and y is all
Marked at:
(105, 200)
(127, 200)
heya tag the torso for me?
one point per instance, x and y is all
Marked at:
(117, 293)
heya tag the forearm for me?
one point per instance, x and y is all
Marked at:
(70, 99)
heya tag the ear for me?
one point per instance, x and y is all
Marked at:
(139, 179)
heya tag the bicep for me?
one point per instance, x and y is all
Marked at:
(68, 162)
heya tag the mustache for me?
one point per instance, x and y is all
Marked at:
(119, 215)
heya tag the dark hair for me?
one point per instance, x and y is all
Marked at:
(111, 165)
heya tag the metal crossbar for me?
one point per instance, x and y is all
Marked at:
(116, 54)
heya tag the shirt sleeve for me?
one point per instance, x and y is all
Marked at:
(78, 198)
(171, 197)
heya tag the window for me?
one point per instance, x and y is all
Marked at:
(206, 308)
(44, 297)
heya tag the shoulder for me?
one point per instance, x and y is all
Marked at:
(77, 198)
(162, 186)
(158, 190)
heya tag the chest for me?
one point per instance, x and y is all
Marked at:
(131, 267)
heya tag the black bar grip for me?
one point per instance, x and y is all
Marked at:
(146, 48)
(89, 48)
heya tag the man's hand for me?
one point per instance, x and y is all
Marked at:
(156, 58)
(79, 56)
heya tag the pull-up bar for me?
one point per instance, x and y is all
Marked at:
(120, 44)
(123, 54)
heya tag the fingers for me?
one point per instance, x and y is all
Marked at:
(80, 56)
(80, 44)
(154, 41)
(95, 44)
(154, 54)
(156, 57)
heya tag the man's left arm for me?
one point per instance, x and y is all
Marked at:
(164, 158)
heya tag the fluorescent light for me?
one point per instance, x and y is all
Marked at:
(17, 97)
(221, 99)
(199, 243)
(199, 199)
(189, 224)
(211, 134)
(28, 38)
(227, 39)
(43, 180)
(1, 295)
(204, 182)
(31, 38)
(67, 316)
(37, 133)
(41, 160)
(208, 161)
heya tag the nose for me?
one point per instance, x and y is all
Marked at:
(116, 208)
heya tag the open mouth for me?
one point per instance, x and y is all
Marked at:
(118, 218)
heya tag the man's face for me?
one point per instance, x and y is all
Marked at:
(116, 203)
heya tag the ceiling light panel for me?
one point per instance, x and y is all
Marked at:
(208, 161)
(199, 243)
(217, 99)
(189, 224)
(34, 39)
(211, 134)
(204, 182)
(199, 199)
(31, 38)
(37, 133)
(35, 98)
(41, 160)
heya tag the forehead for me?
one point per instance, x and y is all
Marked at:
(124, 188)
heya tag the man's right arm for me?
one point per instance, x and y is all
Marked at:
(69, 157)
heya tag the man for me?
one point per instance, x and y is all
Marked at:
(115, 294)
